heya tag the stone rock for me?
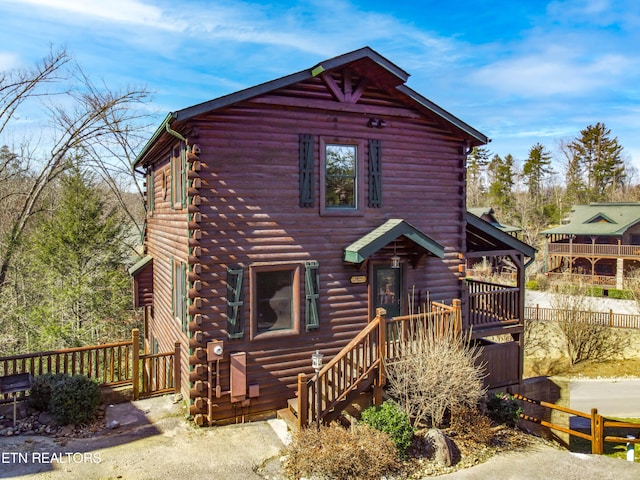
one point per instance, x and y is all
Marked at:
(442, 449)
(113, 424)
(46, 418)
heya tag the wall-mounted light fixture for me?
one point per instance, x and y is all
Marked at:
(395, 260)
(376, 123)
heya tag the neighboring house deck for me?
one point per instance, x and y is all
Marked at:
(284, 217)
(599, 245)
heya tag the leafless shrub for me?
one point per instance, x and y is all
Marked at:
(581, 337)
(336, 453)
(438, 369)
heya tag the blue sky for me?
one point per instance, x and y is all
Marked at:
(521, 72)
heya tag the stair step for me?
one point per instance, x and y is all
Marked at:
(293, 405)
(289, 418)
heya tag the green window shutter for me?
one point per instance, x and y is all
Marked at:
(306, 171)
(173, 288)
(235, 328)
(375, 174)
(312, 293)
(183, 300)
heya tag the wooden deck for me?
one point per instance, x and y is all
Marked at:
(113, 364)
(594, 250)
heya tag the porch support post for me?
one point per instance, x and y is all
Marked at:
(135, 348)
(519, 338)
(619, 273)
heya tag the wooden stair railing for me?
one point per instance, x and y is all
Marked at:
(361, 364)
(354, 369)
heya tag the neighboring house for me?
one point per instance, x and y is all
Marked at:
(599, 244)
(282, 216)
(488, 214)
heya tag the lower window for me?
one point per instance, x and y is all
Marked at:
(275, 299)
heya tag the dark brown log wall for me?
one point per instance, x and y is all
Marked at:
(249, 207)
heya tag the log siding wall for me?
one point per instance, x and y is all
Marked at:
(249, 213)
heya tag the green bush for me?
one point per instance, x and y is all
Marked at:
(390, 419)
(533, 285)
(504, 408)
(74, 400)
(620, 294)
(42, 388)
(594, 291)
(336, 453)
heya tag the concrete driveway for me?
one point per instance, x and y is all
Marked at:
(153, 441)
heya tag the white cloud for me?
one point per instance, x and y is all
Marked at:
(555, 71)
(8, 61)
(119, 11)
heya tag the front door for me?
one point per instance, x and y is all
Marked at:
(386, 289)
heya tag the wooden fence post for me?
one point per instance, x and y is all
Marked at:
(597, 432)
(135, 347)
(457, 315)
(303, 401)
(177, 370)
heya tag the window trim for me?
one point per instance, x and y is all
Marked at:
(296, 292)
(360, 145)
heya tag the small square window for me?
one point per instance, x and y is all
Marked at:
(275, 299)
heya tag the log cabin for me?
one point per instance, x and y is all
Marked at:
(598, 244)
(286, 219)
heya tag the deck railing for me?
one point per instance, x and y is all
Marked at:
(112, 364)
(594, 250)
(492, 304)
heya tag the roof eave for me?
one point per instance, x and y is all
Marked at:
(524, 248)
(156, 135)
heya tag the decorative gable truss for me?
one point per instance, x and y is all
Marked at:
(347, 92)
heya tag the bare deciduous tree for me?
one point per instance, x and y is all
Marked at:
(583, 339)
(438, 369)
(81, 118)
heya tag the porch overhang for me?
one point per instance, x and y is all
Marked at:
(483, 239)
(139, 266)
(386, 233)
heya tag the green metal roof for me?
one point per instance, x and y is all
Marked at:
(386, 233)
(139, 265)
(612, 219)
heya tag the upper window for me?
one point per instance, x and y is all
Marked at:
(275, 304)
(341, 176)
(179, 292)
(178, 175)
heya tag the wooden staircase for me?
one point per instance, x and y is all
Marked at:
(355, 377)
